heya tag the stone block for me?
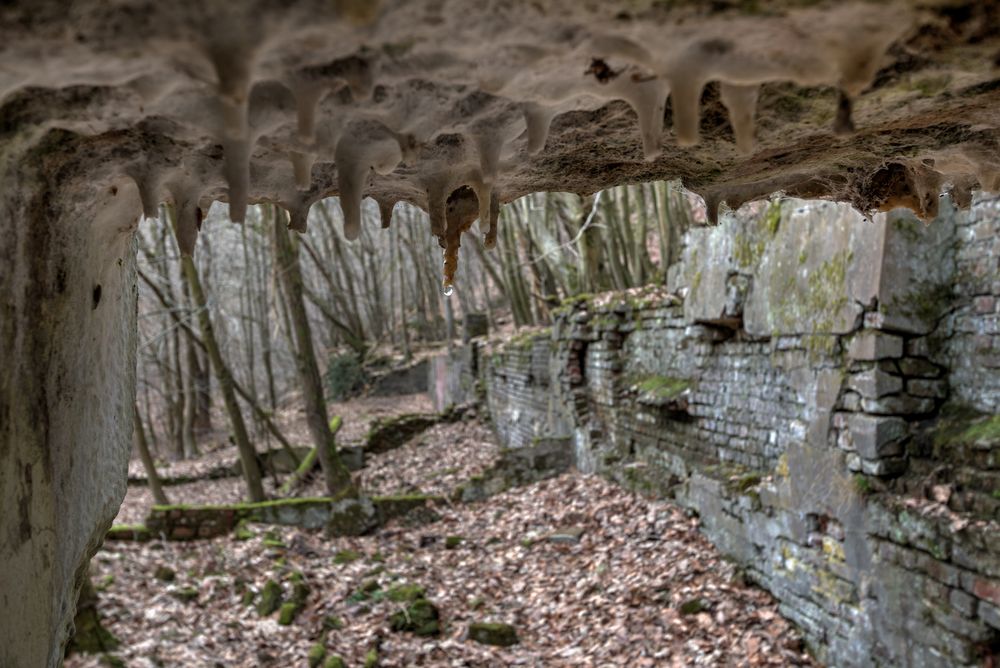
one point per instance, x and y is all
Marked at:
(875, 437)
(990, 614)
(936, 389)
(962, 602)
(918, 347)
(888, 467)
(870, 345)
(902, 404)
(912, 367)
(874, 383)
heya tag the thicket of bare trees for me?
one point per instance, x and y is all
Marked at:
(258, 313)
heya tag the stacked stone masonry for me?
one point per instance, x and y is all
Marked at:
(827, 403)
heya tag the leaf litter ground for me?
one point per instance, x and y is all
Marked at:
(587, 573)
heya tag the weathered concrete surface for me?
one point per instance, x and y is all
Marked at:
(879, 104)
(67, 355)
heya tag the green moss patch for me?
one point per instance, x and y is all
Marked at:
(693, 606)
(335, 661)
(490, 633)
(346, 557)
(136, 532)
(660, 387)
(405, 593)
(271, 597)
(317, 653)
(420, 618)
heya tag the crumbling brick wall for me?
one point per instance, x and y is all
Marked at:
(824, 402)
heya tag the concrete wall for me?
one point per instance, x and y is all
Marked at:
(813, 395)
(67, 387)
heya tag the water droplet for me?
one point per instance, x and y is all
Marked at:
(448, 290)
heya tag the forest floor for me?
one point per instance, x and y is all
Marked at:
(587, 574)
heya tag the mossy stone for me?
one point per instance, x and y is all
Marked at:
(420, 618)
(366, 591)
(493, 633)
(89, 635)
(405, 593)
(243, 532)
(185, 594)
(352, 517)
(316, 655)
(272, 540)
(693, 606)
(270, 598)
(288, 612)
(334, 661)
(346, 556)
(113, 661)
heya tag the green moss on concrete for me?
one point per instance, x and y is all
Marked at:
(963, 426)
(89, 635)
(660, 387)
(492, 633)
(273, 503)
(986, 430)
(745, 483)
(772, 217)
(862, 485)
(354, 518)
(137, 532)
(927, 304)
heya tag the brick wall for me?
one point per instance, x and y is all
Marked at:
(816, 393)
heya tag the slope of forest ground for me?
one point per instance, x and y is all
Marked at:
(585, 572)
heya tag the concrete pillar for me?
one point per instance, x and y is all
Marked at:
(67, 386)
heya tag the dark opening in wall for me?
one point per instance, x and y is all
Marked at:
(96, 295)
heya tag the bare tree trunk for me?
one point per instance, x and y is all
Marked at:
(336, 475)
(248, 455)
(200, 372)
(147, 461)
